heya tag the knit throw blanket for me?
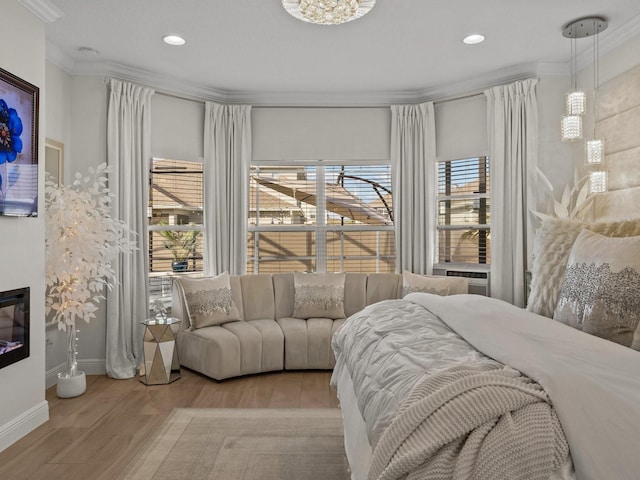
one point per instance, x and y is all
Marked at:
(483, 421)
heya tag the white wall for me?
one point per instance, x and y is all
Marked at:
(177, 127)
(320, 133)
(88, 148)
(59, 101)
(57, 128)
(461, 128)
(22, 403)
(556, 159)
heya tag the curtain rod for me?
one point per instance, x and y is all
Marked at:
(461, 97)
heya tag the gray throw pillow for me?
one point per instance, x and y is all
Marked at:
(318, 295)
(600, 291)
(439, 285)
(209, 300)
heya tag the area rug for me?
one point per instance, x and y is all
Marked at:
(244, 444)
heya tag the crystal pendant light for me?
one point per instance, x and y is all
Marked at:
(597, 182)
(576, 103)
(594, 148)
(571, 128)
(594, 151)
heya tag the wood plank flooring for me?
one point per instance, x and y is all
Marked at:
(95, 435)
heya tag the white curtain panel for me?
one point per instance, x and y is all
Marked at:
(512, 120)
(413, 157)
(227, 156)
(128, 154)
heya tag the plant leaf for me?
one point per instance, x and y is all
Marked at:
(545, 180)
(566, 198)
(560, 209)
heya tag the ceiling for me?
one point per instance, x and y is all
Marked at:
(252, 51)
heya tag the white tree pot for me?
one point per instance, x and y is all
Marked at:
(69, 387)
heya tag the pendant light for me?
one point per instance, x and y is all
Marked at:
(594, 148)
(576, 101)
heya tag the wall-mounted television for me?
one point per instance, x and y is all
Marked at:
(14, 326)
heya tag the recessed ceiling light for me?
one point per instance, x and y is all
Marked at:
(87, 52)
(174, 40)
(473, 39)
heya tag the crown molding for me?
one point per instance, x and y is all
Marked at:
(43, 9)
(479, 83)
(193, 91)
(199, 92)
(160, 83)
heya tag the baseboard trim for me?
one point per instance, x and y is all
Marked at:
(90, 366)
(17, 428)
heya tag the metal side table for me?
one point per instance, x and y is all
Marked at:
(161, 365)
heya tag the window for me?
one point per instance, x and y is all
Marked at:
(464, 211)
(320, 218)
(175, 222)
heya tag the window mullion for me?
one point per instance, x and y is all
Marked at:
(321, 220)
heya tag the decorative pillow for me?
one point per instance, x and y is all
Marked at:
(209, 300)
(600, 291)
(551, 249)
(439, 285)
(318, 295)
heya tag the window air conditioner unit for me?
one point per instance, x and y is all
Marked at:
(479, 283)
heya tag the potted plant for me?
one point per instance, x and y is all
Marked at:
(82, 243)
(182, 245)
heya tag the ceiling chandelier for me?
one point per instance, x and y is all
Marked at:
(328, 12)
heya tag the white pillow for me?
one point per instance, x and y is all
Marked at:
(318, 295)
(600, 291)
(551, 249)
(209, 300)
(437, 284)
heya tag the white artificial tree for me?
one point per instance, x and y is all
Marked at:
(82, 244)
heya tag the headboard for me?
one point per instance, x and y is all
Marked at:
(615, 205)
(618, 124)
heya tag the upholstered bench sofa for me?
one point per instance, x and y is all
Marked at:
(234, 325)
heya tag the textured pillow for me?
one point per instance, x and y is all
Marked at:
(551, 249)
(209, 300)
(439, 285)
(600, 291)
(318, 295)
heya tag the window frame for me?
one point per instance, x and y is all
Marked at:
(483, 197)
(163, 280)
(321, 228)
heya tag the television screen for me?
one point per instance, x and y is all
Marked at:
(14, 326)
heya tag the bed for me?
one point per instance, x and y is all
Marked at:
(395, 358)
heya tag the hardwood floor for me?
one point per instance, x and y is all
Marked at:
(95, 435)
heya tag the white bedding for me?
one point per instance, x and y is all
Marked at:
(402, 343)
(593, 384)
